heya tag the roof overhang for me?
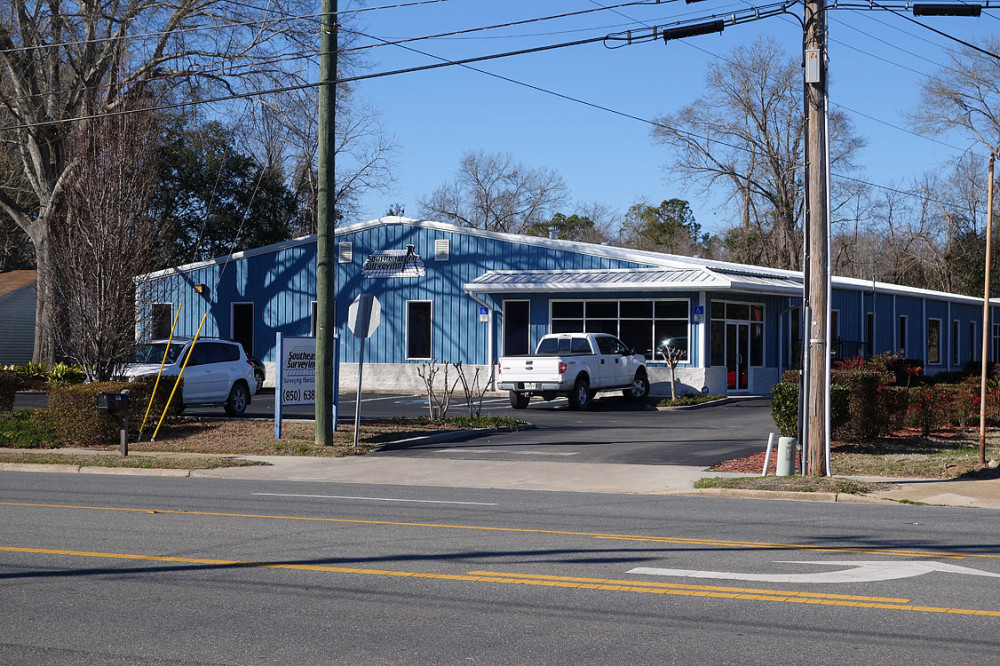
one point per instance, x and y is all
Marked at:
(630, 279)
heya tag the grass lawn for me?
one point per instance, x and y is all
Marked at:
(202, 443)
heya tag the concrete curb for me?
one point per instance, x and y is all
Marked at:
(82, 469)
(779, 495)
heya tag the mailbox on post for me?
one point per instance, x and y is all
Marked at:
(116, 404)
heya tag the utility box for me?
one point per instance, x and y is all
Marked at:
(115, 404)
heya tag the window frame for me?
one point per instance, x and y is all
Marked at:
(934, 351)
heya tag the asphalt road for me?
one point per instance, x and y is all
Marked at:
(129, 570)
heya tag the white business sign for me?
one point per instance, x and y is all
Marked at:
(298, 371)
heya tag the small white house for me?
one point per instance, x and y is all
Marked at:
(18, 295)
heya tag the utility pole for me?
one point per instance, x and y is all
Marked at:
(817, 407)
(325, 225)
(986, 317)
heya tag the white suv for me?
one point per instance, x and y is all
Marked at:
(217, 374)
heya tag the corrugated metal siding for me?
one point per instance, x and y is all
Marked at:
(457, 332)
(17, 311)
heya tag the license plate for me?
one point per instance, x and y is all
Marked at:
(531, 385)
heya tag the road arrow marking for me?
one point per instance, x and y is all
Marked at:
(860, 572)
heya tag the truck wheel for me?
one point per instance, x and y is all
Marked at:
(519, 400)
(579, 397)
(639, 389)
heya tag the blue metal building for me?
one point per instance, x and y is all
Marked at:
(465, 295)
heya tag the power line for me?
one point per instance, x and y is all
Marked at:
(286, 17)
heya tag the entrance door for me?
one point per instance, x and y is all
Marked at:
(738, 356)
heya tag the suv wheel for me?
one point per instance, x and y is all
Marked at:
(239, 398)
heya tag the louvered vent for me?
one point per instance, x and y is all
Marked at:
(442, 249)
(345, 254)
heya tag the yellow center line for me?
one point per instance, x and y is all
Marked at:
(522, 530)
(539, 581)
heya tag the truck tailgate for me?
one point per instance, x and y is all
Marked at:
(530, 369)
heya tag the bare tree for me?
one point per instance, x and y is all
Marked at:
(964, 96)
(491, 191)
(101, 238)
(745, 138)
(86, 59)
(284, 134)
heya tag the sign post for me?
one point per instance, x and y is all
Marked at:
(363, 317)
(295, 382)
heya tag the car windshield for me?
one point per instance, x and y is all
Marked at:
(153, 353)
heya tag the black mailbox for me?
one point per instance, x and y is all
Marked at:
(113, 403)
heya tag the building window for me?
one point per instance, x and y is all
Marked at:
(418, 329)
(933, 341)
(955, 335)
(972, 341)
(643, 325)
(870, 334)
(312, 318)
(996, 343)
(902, 335)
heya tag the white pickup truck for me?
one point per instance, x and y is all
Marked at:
(576, 365)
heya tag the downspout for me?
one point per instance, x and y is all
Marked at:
(489, 339)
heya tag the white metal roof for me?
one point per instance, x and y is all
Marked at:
(743, 277)
(615, 280)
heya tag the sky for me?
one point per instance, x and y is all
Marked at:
(877, 63)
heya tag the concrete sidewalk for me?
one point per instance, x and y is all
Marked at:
(534, 475)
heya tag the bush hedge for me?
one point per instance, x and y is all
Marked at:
(74, 416)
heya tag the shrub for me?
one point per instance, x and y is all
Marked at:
(73, 410)
(8, 387)
(863, 403)
(27, 429)
(32, 371)
(63, 374)
(785, 407)
(928, 407)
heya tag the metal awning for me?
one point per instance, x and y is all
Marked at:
(633, 279)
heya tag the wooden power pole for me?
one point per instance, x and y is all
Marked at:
(817, 407)
(325, 226)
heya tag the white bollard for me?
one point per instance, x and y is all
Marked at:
(767, 458)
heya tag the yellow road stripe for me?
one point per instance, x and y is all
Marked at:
(521, 530)
(516, 579)
(678, 586)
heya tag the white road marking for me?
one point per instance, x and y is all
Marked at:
(513, 453)
(861, 572)
(376, 499)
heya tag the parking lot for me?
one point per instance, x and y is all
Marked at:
(614, 430)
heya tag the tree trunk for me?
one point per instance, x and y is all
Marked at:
(44, 351)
